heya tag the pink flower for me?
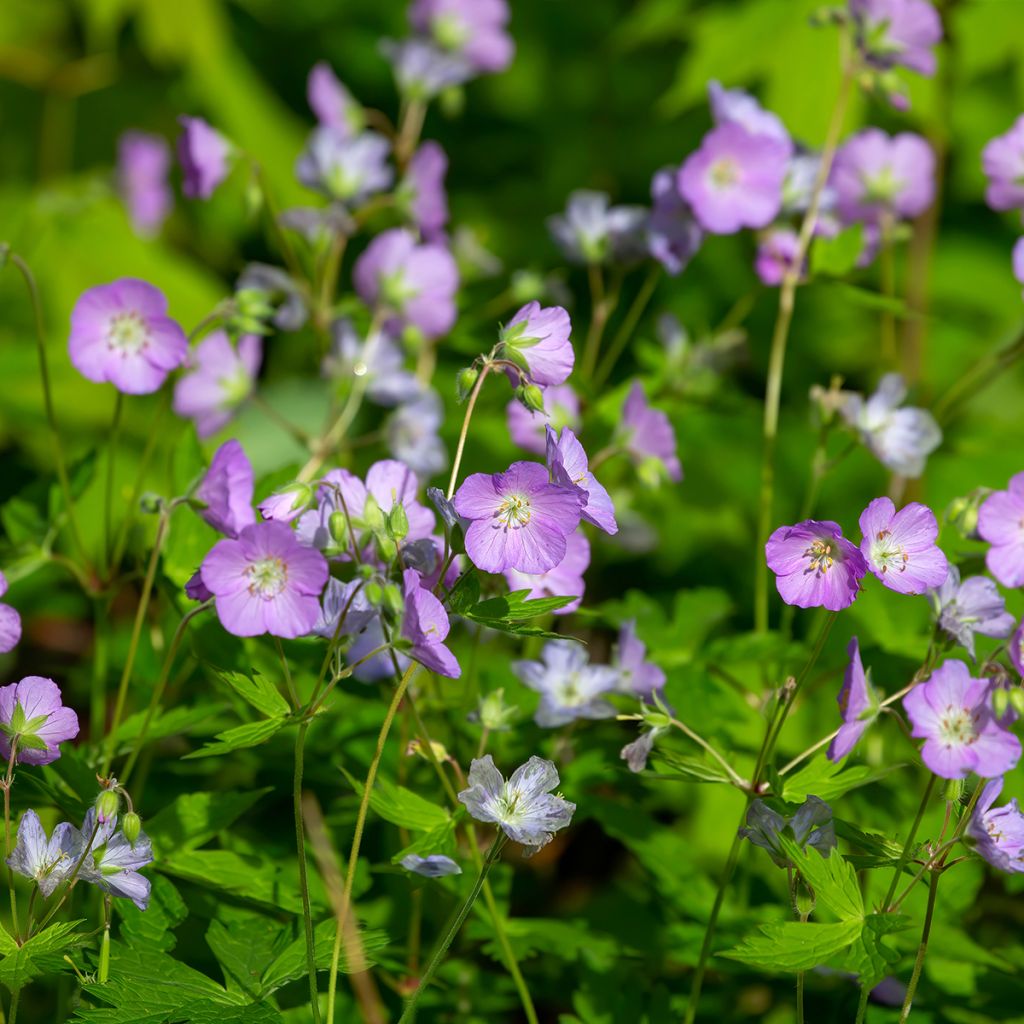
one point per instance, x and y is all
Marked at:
(569, 467)
(10, 622)
(203, 154)
(121, 333)
(900, 548)
(32, 714)
(218, 380)
(265, 582)
(1001, 523)
(815, 565)
(537, 339)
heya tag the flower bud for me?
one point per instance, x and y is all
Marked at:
(374, 592)
(493, 713)
(953, 790)
(464, 382)
(963, 512)
(108, 803)
(1000, 702)
(393, 600)
(531, 396)
(1017, 700)
(398, 522)
(387, 549)
(372, 515)
(150, 503)
(337, 524)
(131, 826)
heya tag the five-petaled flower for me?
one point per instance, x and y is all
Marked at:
(814, 564)
(998, 833)
(900, 548)
(569, 686)
(219, 377)
(1001, 523)
(34, 721)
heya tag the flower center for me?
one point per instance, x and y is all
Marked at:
(957, 727)
(887, 556)
(267, 578)
(724, 173)
(569, 692)
(820, 558)
(515, 510)
(882, 187)
(127, 333)
(450, 33)
(235, 388)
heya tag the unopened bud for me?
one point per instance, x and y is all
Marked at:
(374, 592)
(131, 826)
(372, 515)
(150, 503)
(531, 396)
(1000, 702)
(465, 381)
(108, 803)
(398, 522)
(393, 600)
(337, 524)
(1017, 700)
(387, 549)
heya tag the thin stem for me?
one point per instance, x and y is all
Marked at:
(7, 783)
(737, 780)
(800, 997)
(409, 130)
(453, 929)
(280, 236)
(288, 683)
(12, 1017)
(628, 325)
(300, 844)
(357, 835)
(599, 313)
(115, 430)
(922, 949)
(51, 416)
(98, 684)
(296, 433)
(158, 690)
(887, 270)
(780, 337)
(133, 645)
(464, 432)
(911, 835)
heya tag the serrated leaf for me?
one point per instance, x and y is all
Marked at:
(826, 780)
(869, 957)
(795, 946)
(465, 594)
(41, 955)
(440, 839)
(195, 818)
(516, 607)
(152, 928)
(252, 734)
(258, 691)
(882, 851)
(681, 766)
(832, 878)
(244, 942)
(402, 806)
(171, 722)
(517, 629)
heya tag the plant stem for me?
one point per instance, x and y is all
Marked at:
(133, 645)
(887, 270)
(453, 930)
(464, 432)
(600, 310)
(300, 844)
(780, 337)
(735, 778)
(51, 416)
(357, 835)
(800, 997)
(922, 949)
(115, 431)
(98, 684)
(628, 325)
(7, 783)
(911, 835)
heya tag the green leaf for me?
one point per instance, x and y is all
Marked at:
(291, 964)
(838, 255)
(172, 722)
(41, 955)
(826, 780)
(832, 878)
(402, 806)
(515, 607)
(195, 818)
(252, 734)
(440, 839)
(680, 766)
(795, 946)
(869, 956)
(258, 691)
(465, 594)
(151, 928)
(244, 942)
(881, 851)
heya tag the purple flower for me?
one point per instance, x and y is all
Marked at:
(195, 588)
(900, 438)
(474, 29)
(735, 106)
(275, 287)
(378, 360)
(974, 606)
(422, 69)
(523, 807)
(593, 231)
(112, 863)
(815, 565)
(332, 103)
(422, 193)
(226, 490)
(32, 715)
(265, 582)
(897, 32)
(415, 282)
(812, 825)
(1001, 523)
(635, 754)
(348, 169)
(876, 175)
(564, 580)
(1003, 162)
(735, 179)
(287, 503)
(537, 340)
(648, 437)
(1018, 260)
(569, 467)
(364, 505)
(436, 865)
(121, 333)
(858, 704)
(143, 163)
(569, 687)
(1016, 648)
(998, 834)
(673, 235)
(778, 250)
(47, 861)
(637, 675)
(345, 610)
(10, 622)
(528, 428)
(900, 548)
(953, 713)
(518, 519)
(218, 379)
(413, 435)
(203, 154)
(425, 626)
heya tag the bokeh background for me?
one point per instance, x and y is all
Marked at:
(601, 95)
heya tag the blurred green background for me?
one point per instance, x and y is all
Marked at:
(601, 95)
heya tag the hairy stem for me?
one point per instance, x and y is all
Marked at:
(922, 949)
(464, 432)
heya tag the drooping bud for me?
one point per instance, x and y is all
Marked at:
(465, 381)
(131, 826)
(393, 600)
(387, 549)
(1017, 700)
(374, 592)
(372, 515)
(1000, 702)
(337, 524)
(531, 396)
(398, 522)
(108, 803)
